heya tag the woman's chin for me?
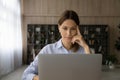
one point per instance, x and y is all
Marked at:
(68, 40)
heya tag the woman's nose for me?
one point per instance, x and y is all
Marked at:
(69, 32)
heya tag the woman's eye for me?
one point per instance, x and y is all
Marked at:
(65, 28)
(73, 28)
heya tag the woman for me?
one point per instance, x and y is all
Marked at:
(71, 42)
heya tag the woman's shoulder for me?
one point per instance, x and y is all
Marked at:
(54, 45)
(49, 48)
(51, 45)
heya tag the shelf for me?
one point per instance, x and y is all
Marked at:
(39, 35)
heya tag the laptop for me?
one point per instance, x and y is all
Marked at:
(69, 66)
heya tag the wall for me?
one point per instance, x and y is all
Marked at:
(90, 12)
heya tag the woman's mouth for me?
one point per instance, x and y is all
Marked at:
(68, 37)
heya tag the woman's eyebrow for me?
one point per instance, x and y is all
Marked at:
(70, 26)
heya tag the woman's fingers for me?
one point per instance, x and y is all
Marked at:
(76, 38)
(36, 77)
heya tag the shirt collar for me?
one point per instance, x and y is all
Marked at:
(59, 44)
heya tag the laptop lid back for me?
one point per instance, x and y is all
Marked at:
(69, 66)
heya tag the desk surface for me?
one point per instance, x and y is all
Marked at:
(111, 74)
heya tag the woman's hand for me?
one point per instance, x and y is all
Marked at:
(36, 77)
(80, 40)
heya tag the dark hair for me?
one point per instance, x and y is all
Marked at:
(70, 14)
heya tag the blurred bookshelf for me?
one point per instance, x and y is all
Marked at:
(39, 35)
(97, 37)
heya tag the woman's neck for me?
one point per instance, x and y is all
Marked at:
(67, 45)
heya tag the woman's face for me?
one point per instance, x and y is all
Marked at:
(68, 29)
